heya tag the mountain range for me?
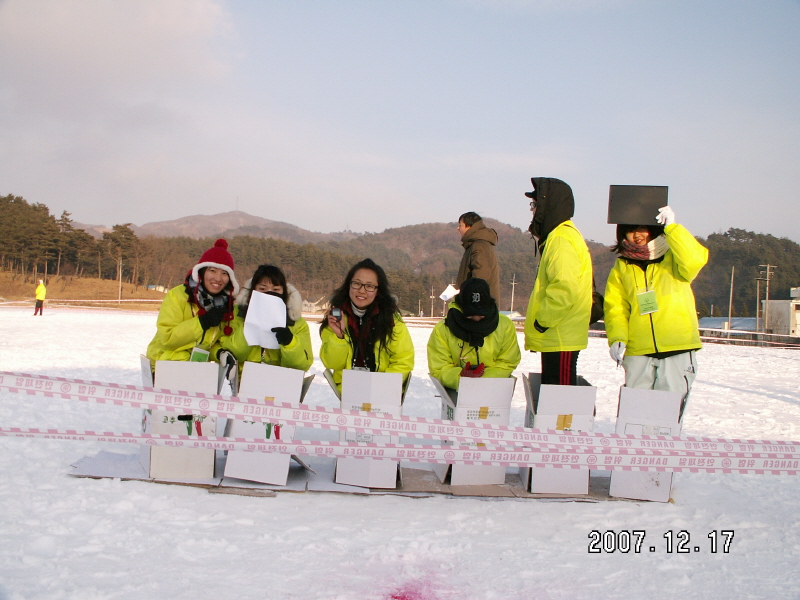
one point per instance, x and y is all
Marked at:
(427, 247)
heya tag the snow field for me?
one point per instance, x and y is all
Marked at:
(68, 538)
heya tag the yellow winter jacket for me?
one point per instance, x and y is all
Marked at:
(178, 330)
(674, 325)
(397, 357)
(295, 355)
(448, 354)
(41, 292)
(562, 295)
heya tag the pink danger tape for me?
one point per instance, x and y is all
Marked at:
(500, 457)
(370, 423)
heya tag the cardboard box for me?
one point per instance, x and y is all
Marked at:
(645, 412)
(379, 393)
(268, 384)
(557, 408)
(481, 400)
(164, 462)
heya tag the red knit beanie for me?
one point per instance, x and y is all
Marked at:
(218, 257)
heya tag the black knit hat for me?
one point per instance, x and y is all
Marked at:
(474, 298)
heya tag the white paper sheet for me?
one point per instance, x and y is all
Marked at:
(449, 293)
(264, 312)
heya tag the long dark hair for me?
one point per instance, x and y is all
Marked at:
(624, 230)
(382, 309)
(275, 277)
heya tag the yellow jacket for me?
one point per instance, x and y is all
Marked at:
(41, 292)
(178, 330)
(674, 325)
(296, 355)
(448, 354)
(396, 357)
(562, 295)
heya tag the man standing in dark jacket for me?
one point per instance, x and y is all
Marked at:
(479, 259)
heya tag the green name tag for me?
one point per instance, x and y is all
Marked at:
(199, 355)
(647, 302)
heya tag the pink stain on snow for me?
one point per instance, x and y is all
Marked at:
(414, 591)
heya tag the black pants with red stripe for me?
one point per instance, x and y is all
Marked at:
(560, 368)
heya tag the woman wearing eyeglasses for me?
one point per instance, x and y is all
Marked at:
(363, 328)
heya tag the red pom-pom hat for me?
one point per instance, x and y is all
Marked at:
(218, 257)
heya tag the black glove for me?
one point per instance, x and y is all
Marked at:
(284, 335)
(538, 327)
(211, 318)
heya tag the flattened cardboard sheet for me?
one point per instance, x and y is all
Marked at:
(416, 481)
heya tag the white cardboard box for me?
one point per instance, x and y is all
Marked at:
(557, 408)
(379, 393)
(645, 412)
(269, 384)
(479, 400)
(164, 462)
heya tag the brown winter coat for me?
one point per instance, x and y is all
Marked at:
(479, 259)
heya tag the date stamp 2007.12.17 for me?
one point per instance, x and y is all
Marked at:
(677, 542)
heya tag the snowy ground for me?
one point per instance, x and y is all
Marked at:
(68, 538)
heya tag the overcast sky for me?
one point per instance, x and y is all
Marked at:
(374, 114)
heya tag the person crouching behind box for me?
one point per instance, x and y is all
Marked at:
(196, 317)
(474, 339)
(294, 339)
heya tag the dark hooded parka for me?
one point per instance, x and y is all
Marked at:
(561, 301)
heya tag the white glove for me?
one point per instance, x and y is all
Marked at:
(617, 351)
(666, 216)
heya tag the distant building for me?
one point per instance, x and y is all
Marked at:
(783, 316)
(737, 323)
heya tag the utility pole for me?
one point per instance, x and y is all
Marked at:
(758, 303)
(513, 284)
(730, 305)
(767, 276)
(432, 299)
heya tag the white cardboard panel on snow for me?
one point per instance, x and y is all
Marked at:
(162, 462)
(482, 400)
(147, 373)
(558, 408)
(645, 412)
(267, 384)
(377, 393)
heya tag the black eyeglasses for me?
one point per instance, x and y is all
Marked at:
(357, 285)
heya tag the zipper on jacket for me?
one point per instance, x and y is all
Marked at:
(462, 356)
(652, 328)
(650, 316)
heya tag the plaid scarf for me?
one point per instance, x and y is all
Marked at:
(654, 249)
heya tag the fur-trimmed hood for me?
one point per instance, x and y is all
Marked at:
(294, 301)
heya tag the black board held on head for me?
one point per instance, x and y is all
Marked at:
(635, 204)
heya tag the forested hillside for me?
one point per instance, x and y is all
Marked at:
(419, 259)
